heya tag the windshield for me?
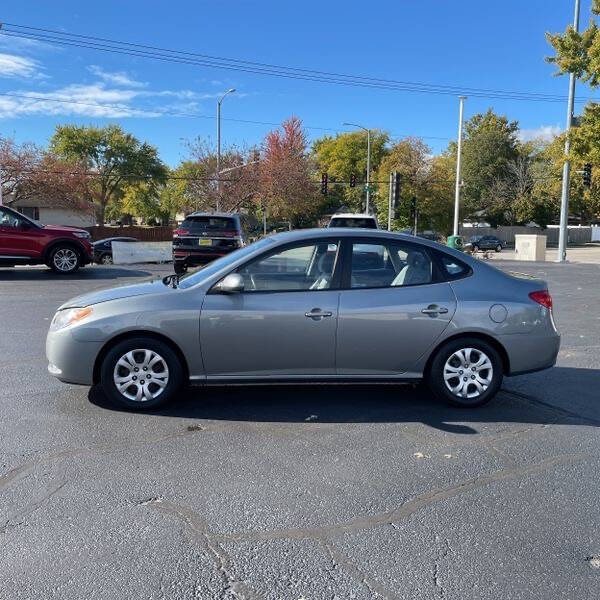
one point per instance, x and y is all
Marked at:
(193, 278)
(353, 222)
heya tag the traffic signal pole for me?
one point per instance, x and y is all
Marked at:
(564, 198)
(390, 195)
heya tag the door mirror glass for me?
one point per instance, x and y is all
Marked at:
(231, 284)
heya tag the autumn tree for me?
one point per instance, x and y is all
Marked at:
(112, 158)
(287, 189)
(344, 154)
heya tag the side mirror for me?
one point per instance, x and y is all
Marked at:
(231, 284)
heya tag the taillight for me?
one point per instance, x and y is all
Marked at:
(178, 232)
(542, 297)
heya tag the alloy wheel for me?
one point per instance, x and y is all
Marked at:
(468, 373)
(106, 259)
(141, 375)
(65, 259)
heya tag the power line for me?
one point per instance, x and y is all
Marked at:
(130, 108)
(191, 58)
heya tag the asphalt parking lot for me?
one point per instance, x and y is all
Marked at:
(298, 492)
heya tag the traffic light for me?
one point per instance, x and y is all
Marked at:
(352, 179)
(397, 187)
(324, 184)
(587, 175)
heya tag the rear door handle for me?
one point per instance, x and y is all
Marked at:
(317, 313)
(434, 309)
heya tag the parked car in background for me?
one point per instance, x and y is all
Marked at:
(354, 220)
(103, 249)
(25, 242)
(311, 305)
(202, 237)
(486, 242)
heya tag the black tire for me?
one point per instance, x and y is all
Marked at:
(64, 259)
(475, 248)
(437, 383)
(498, 248)
(173, 373)
(106, 259)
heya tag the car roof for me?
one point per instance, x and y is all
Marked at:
(213, 214)
(353, 216)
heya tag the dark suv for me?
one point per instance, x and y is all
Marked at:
(202, 237)
(25, 242)
(486, 242)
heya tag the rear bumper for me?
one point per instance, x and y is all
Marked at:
(528, 353)
(197, 257)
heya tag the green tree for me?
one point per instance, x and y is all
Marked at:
(344, 154)
(490, 145)
(409, 157)
(113, 158)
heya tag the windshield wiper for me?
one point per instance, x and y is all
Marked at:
(171, 280)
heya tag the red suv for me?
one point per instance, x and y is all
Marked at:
(25, 242)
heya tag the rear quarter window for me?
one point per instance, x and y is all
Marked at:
(452, 268)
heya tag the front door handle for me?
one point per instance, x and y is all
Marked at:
(317, 313)
(434, 309)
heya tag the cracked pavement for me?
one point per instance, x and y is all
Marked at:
(291, 492)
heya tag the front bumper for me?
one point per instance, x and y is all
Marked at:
(70, 360)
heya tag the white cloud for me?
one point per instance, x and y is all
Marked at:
(120, 78)
(12, 65)
(545, 133)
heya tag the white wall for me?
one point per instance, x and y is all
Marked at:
(61, 216)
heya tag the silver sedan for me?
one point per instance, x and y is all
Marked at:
(321, 305)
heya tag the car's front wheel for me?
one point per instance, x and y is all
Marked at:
(64, 259)
(499, 248)
(475, 248)
(466, 372)
(141, 373)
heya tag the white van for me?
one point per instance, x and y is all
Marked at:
(361, 221)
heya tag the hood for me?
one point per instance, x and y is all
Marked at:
(156, 286)
(64, 228)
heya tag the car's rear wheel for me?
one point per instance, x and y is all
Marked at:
(499, 248)
(106, 259)
(64, 259)
(466, 372)
(141, 373)
(475, 248)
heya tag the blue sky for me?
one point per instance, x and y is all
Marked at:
(493, 45)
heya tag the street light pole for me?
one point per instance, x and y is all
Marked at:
(458, 164)
(563, 234)
(368, 160)
(219, 101)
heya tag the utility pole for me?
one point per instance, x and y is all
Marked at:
(0, 185)
(563, 234)
(219, 101)
(458, 161)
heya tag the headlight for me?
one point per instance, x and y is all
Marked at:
(64, 318)
(82, 234)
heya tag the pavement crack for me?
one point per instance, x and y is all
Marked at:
(198, 528)
(408, 508)
(441, 555)
(340, 561)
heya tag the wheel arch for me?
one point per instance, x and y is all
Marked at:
(138, 333)
(492, 341)
(62, 242)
